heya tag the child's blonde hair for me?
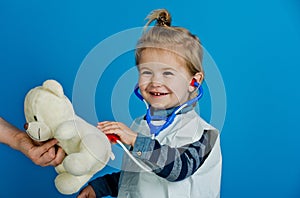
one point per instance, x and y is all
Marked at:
(177, 40)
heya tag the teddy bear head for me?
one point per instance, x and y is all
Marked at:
(39, 102)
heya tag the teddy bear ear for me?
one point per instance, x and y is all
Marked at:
(54, 87)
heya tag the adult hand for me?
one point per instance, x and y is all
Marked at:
(43, 154)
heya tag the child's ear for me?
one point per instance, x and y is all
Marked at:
(199, 78)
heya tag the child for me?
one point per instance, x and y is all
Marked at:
(183, 152)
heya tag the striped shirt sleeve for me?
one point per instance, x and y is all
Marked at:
(106, 185)
(174, 164)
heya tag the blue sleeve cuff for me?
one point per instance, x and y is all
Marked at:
(142, 148)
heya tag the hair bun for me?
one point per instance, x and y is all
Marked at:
(162, 17)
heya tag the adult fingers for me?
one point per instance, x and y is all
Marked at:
(44, 160)
(46, 146)
(59, 157)
(44, 154)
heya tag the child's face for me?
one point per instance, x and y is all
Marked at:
(163, 78)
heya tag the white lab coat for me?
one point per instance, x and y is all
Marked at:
(204, 183)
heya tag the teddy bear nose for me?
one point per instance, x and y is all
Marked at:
(26, 126)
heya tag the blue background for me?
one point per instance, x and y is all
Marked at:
(254, 43)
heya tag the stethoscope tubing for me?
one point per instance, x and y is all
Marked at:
(155, 130)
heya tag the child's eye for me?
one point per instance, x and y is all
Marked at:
(168, 73)
(146, 73)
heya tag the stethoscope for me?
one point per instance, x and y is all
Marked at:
(156, 129)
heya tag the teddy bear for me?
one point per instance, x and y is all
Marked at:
(50, 114)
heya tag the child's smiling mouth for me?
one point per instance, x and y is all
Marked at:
(158, 93)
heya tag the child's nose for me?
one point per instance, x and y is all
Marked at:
(156, 80)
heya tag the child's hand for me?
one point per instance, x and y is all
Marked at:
(87, 192)
(126, 135)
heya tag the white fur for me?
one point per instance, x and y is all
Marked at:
(88, 149)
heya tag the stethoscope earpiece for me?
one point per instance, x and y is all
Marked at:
(194, 83)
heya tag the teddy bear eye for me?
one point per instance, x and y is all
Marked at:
(35, 118)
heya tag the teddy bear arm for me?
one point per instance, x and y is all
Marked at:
(60, 168)
(66, 130)
(79, 163)
(68, 184)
